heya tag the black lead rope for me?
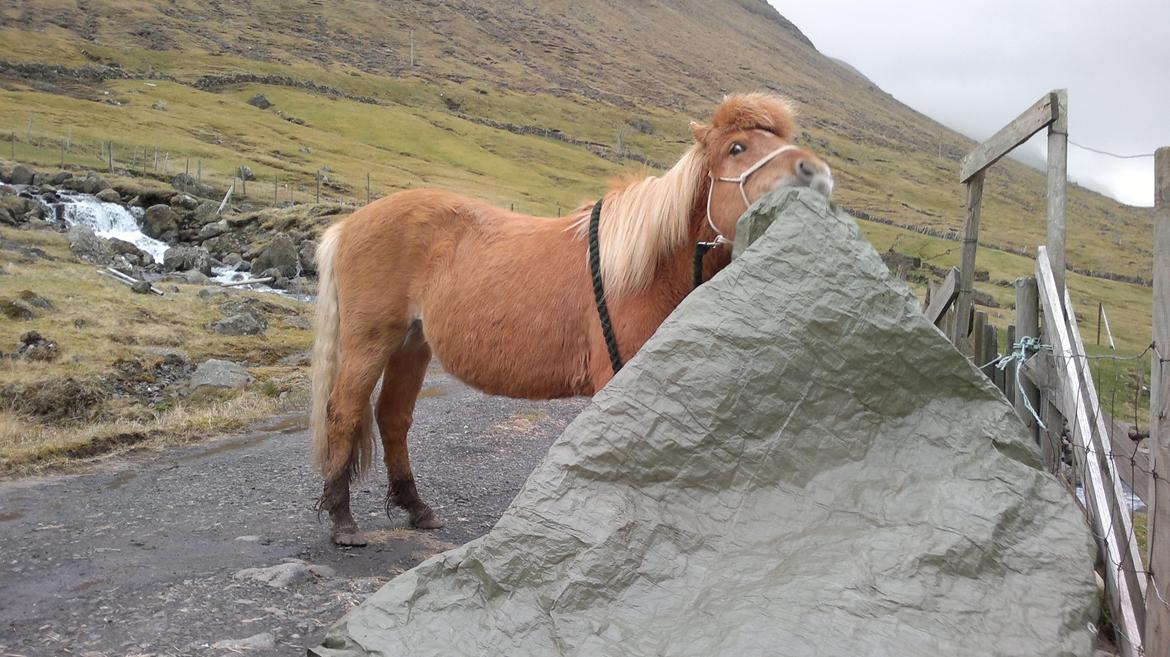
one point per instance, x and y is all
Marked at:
(615, 356)
(701, 249)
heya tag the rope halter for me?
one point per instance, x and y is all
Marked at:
(740, 180)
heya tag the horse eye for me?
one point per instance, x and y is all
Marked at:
(737, 148)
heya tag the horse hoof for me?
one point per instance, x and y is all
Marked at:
(349, 538)
(427, 520)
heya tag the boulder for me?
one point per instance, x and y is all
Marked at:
(184, 201)
(91, 183)
(16, 310)
(216, 375)
(109, 196)
(308, 257)
(246, 173)
(259, 101)
(211, 230)
(35, 300)
(241, 324)
(35, 347)
(160, 222)
(182, 258)
(88, 246)
(17, 210)
(281, 255)
(21, 175)
(195, 277)
(59, 177)
(141, 287)
(187, 183)
(232, 260)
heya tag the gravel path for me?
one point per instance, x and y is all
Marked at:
(138, 555)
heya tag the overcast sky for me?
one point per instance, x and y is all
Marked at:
(974, 66)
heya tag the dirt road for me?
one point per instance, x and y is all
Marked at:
(141, 555)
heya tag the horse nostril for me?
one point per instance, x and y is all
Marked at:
(805, 170)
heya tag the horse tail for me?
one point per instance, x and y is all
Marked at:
(326, 356)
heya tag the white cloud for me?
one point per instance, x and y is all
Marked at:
(975, 67)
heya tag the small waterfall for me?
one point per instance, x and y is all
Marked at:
(110, 220)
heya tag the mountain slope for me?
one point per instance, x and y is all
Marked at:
(584, 70)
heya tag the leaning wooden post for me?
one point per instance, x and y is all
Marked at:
(967, 263)
(1057, 185)
(1028, 325)
(367, 188)
(1158, 501)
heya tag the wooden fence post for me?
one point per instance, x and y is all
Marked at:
(967, 264)
(1057, 185)
(1158, 501)
(1028, 325)
(367, 188)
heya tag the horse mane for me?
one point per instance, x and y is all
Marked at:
(644, 218)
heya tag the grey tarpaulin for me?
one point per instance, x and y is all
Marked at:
(797, 463)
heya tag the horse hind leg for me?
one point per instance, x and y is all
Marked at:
(350, 432)
(401, 383)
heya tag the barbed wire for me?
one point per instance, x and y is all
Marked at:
(1101, 152)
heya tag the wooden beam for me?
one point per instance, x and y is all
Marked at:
(1027, 325)
(1031, 121)
(1158, 500)
(942, 298)
(967, 263)
(1101, 502)
(1057, 185)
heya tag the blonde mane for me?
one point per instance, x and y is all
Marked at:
(644, 221)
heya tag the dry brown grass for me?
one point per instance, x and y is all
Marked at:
(97, 322)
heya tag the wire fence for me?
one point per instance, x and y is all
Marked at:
(1125, 456)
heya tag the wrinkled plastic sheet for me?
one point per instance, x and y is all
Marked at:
(797, 463)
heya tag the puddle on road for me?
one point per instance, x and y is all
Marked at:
(6, 516)
(226, 446)
(121, 479)
(288, 424)
(432, 391)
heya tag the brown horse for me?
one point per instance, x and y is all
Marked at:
(506, 301)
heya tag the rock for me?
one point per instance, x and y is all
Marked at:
(184, 201)
(16, 311)
(60, 177)
(35, 347)
(262, 641)
(109, 196)
(259, 101)
(187, 183)
(241, 324)
(181, 258)
(122, 247)
(17, 210)
(208, 292)
(21, 175)
(160, 105)
(281, 255)
(141, 287)
(219, 375)
(293, 571)
(246, 173)
(91, 183)
(212, 230)
(88, 246)
(195, 277)
(232, 259)
(308, 257)
(35, 300)
(298, 322)
(160, 222)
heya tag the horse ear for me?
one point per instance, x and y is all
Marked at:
(699, 131)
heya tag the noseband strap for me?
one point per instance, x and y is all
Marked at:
(702, 248)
